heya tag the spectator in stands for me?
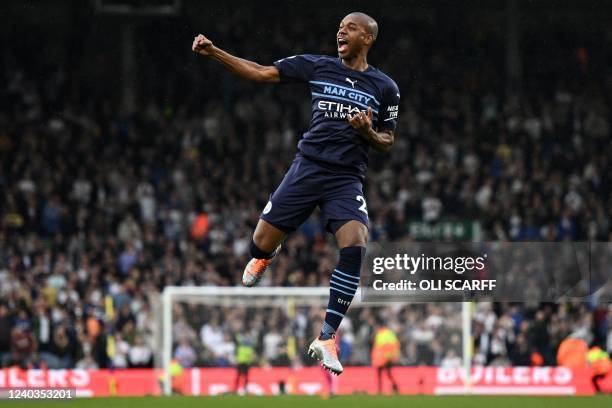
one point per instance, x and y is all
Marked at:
(185, 354)
(140, 354)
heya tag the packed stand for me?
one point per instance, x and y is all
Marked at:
(429, 334)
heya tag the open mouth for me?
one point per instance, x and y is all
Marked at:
(342, 45)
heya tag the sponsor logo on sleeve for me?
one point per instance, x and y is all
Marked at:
(392, 112)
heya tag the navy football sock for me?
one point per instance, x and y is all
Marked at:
(259, 254)
(342, 287)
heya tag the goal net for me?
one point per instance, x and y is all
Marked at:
(199, 327)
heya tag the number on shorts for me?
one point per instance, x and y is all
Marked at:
(363, 207)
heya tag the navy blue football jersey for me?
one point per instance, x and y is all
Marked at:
(337, 91)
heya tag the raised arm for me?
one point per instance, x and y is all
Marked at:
(245, 69)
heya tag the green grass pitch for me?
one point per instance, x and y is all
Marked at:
(354, 401)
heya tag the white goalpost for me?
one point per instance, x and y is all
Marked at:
(269, 296)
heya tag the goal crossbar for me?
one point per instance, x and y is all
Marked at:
(202, 293)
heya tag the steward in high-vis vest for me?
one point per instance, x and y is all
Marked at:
(177, 379)
(385, 352)
(245, 355)
(599, 360)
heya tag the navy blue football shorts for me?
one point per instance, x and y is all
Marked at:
(338, 192)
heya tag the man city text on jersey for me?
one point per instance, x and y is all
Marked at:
(338, 91)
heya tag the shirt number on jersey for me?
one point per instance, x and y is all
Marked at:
(363, 207)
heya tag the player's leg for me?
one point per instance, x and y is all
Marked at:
(288, 207)
(264, 245)
(267, 237)
(346, 217)
(352, 233)
(352, 240)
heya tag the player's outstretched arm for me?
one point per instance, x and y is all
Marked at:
(380, 141)
(246, 69)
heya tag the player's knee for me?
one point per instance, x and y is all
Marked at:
(259, 238)
(266, 239)
(360, 240)
(352, 234)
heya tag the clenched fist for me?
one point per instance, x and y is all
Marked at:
(202, 45)
(361, 122)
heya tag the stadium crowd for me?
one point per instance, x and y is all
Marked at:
(429, 334)
(98, 204)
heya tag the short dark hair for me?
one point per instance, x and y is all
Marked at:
(370, 23)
